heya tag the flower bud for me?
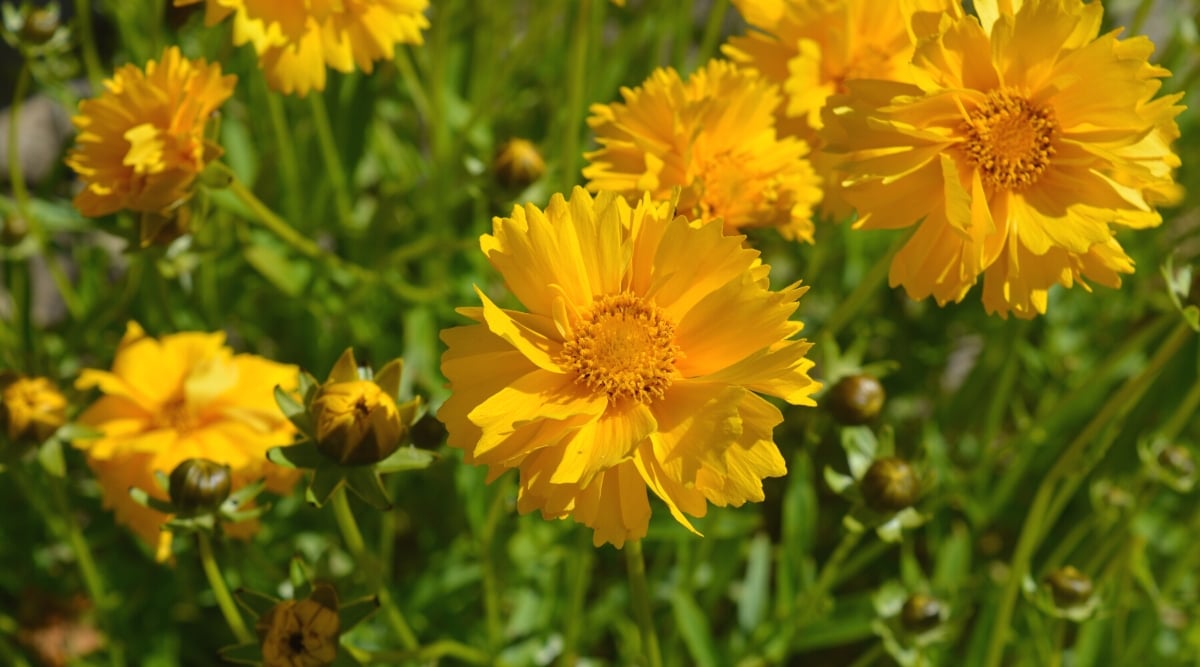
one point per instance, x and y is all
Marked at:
(856, 400)
(1178, 460)
(1069, 586)
(198, 486)
(921, 612)
(301, 632)
(357, 423)
(39, 26)
(518, 163)
(31, 409)
(890, 485)
(13, 229)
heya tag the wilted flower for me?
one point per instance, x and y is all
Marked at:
(635, 365)
(714, 137)
(141, 143)
(296, 42)
(518, 163)
(1013, 153)
(31, 409)
(184, 396)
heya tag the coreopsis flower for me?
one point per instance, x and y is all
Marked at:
(31, 409)
(141, 143)
(637, 363)
(1025, 137)
(184, 396)
(714, 137)
(296, 42)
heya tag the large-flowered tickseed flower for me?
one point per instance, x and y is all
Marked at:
(1027, 135)
(714, 137)
(636, 364)
(184, 396)
(295, 42)
(141, 143)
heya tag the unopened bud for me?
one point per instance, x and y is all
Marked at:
(921, 612)
(856, 400)
(1069, 586)
(1178, 460)
(39, 26)
(357, 423)
(518, 163)
(198, 486)
(890, 485)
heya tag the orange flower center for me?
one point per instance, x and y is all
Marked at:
(177, 416)
(1009, 140)
(623, 347)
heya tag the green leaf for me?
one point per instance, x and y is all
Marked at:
(50, 455)
(287, 276)
(254, 602)
(755, 593)
(364, 481)
(356, 611)
(324, 482)
(302, 455)
(146, 500)
(406, 458)
(694, 628)
(242, 654)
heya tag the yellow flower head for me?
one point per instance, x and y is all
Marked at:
(31, 409)
(357, 422)
(635, 364)
(185, 396)
(141, 142)
(1026, 134)
(301, 633)
(295, 42)
(714, 137)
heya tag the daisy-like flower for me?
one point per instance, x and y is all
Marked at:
(635, 364)
(31, 408)
(296, 42)
(714, 137)
(186, 396)
(141, 143)
(1026, 136)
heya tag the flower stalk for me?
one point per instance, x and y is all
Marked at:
(212, 571)
(635, 565)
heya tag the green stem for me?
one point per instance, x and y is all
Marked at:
(357, 547)
(16, 175)
(712, 29)
(333, 161)
(1140, 16)
(292, 194)
(635, 565)
(866, 287)
(585, 554)
(216, 581)
(408, 73)
(430, 653)
(825, 579)
(1071, 468)
(491, 589)
(576, 78)
(87, 41)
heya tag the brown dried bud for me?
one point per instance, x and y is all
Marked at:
(856, 400)
(921, 612)
(198, 486)
(890, 485)
(1069, 586)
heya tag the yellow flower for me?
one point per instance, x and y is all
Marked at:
(182, 397)
(31, 409)
(141, 142)
(295, 42)
(714, 137)
(636, 364)
(299, 633)
(1026, 135)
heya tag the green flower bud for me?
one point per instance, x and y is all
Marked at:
(921, 613)
(13, 229)
(1069, 586)
(357, 423)
(856, 400)
(890, 485)
(518, 164)
(39, 26)
(198, 486)
(1178, 460)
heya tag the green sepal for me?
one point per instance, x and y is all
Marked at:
(356, 611)
(146, 500)
(300, 577)
(243, 495)
(50, 455)
(254, 602)
(294, 411)
(324, 482)
(163, 480)
(246, 515)
(303, 455)
(71, 431)
(861, 447)
(388, 378)
(242, 654)
(406, 458)
(365, 483)
(326, 596)
(308, 387)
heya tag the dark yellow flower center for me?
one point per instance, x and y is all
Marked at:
(1010, 140)
(176, 415)
(623, 347)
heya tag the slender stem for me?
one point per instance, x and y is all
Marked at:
(826, 577)
(292, 194)
(16, 175)
(333, 161)
(217, 582)
(712, 29)
(635, 565)
(576, 78)
(416, 91)
(1140, 16)
(353, 538)
(87, 41)
(491, 589)
(684, 26)
(870, 657)
(443, 648)
(1071, 468)
(584, 556)
(875, 277)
